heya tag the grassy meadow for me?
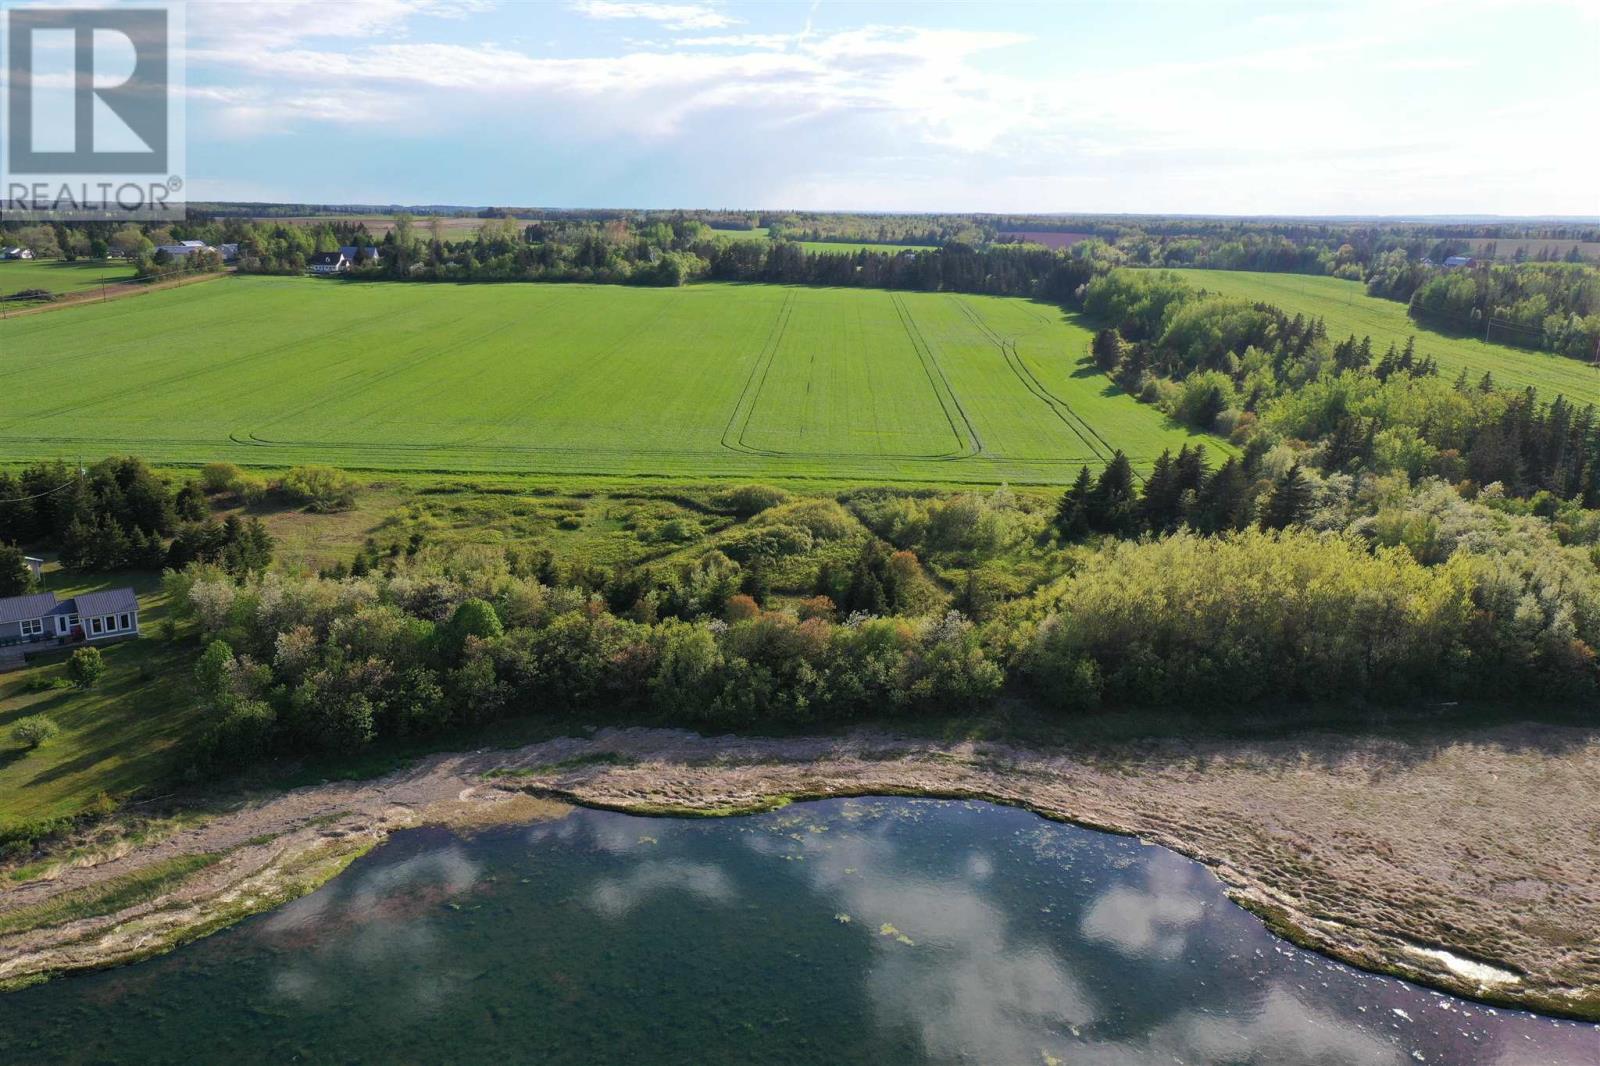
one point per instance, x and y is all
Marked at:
(59, 276)
(1347, 309)
(709, 380)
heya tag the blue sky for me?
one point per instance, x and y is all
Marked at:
(1483, 106)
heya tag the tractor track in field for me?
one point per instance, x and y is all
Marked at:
(757, 380)
(924, 350)
(755, 383)
(1098, 446)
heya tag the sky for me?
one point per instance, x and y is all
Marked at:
(1394, 107)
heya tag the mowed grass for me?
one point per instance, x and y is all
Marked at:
(117, 738)
(1347, 309)
(59, 276)
(708, 380)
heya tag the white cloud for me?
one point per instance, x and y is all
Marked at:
(921, 118)
(674, 16)
(250, 27)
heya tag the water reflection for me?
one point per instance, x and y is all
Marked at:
(892, 931)
(614, 897)
(1152, 919)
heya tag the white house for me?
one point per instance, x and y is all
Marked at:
(345, 259)
(328, 263)
(16, 253)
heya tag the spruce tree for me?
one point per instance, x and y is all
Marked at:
(1290, 501)
(1072, 515)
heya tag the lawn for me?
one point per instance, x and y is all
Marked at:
(1347, 309)
(118, 738)
(59, 276)
(708, 380)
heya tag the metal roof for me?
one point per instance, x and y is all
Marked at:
(23, 608)
(111, 601)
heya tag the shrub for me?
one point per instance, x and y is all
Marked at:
(219, 477)
(320, 488)
(746, 501)
(33, 730)
(86, 667)
(244, 734)
(677, 531)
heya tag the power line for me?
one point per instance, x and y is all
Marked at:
(49, 492)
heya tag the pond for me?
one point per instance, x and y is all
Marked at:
(844, 931)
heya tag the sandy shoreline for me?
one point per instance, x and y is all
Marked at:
(1470, 864)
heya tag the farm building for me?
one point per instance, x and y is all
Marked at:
(184, 248)
(16, 253)
(29, 622)
(1459, 261)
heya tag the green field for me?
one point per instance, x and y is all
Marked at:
(1347, 309)
(58, 275)
(824, 247)
(709, 380)
(850, 248)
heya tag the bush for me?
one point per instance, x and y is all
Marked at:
(1255, 615)
(747, 501)
(220, 477)
(243, 735)
(86, 667)
(33, 731)
(320, 488)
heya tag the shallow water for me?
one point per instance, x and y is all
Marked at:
(844, 931)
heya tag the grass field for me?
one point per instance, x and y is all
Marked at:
(58, 275)
(1347, 309)
(454, 227)
(851, 248)
(709, 380)
(824, 247)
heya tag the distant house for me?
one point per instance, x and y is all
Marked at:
(345, 259)
(41, 620)
(328, 263)
(229, 252)
(1426, 261)
(1459, 261)
(16, 253)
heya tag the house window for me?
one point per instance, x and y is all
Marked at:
(33, 627)
(95, 625)
(127, 623)
(72, 621)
